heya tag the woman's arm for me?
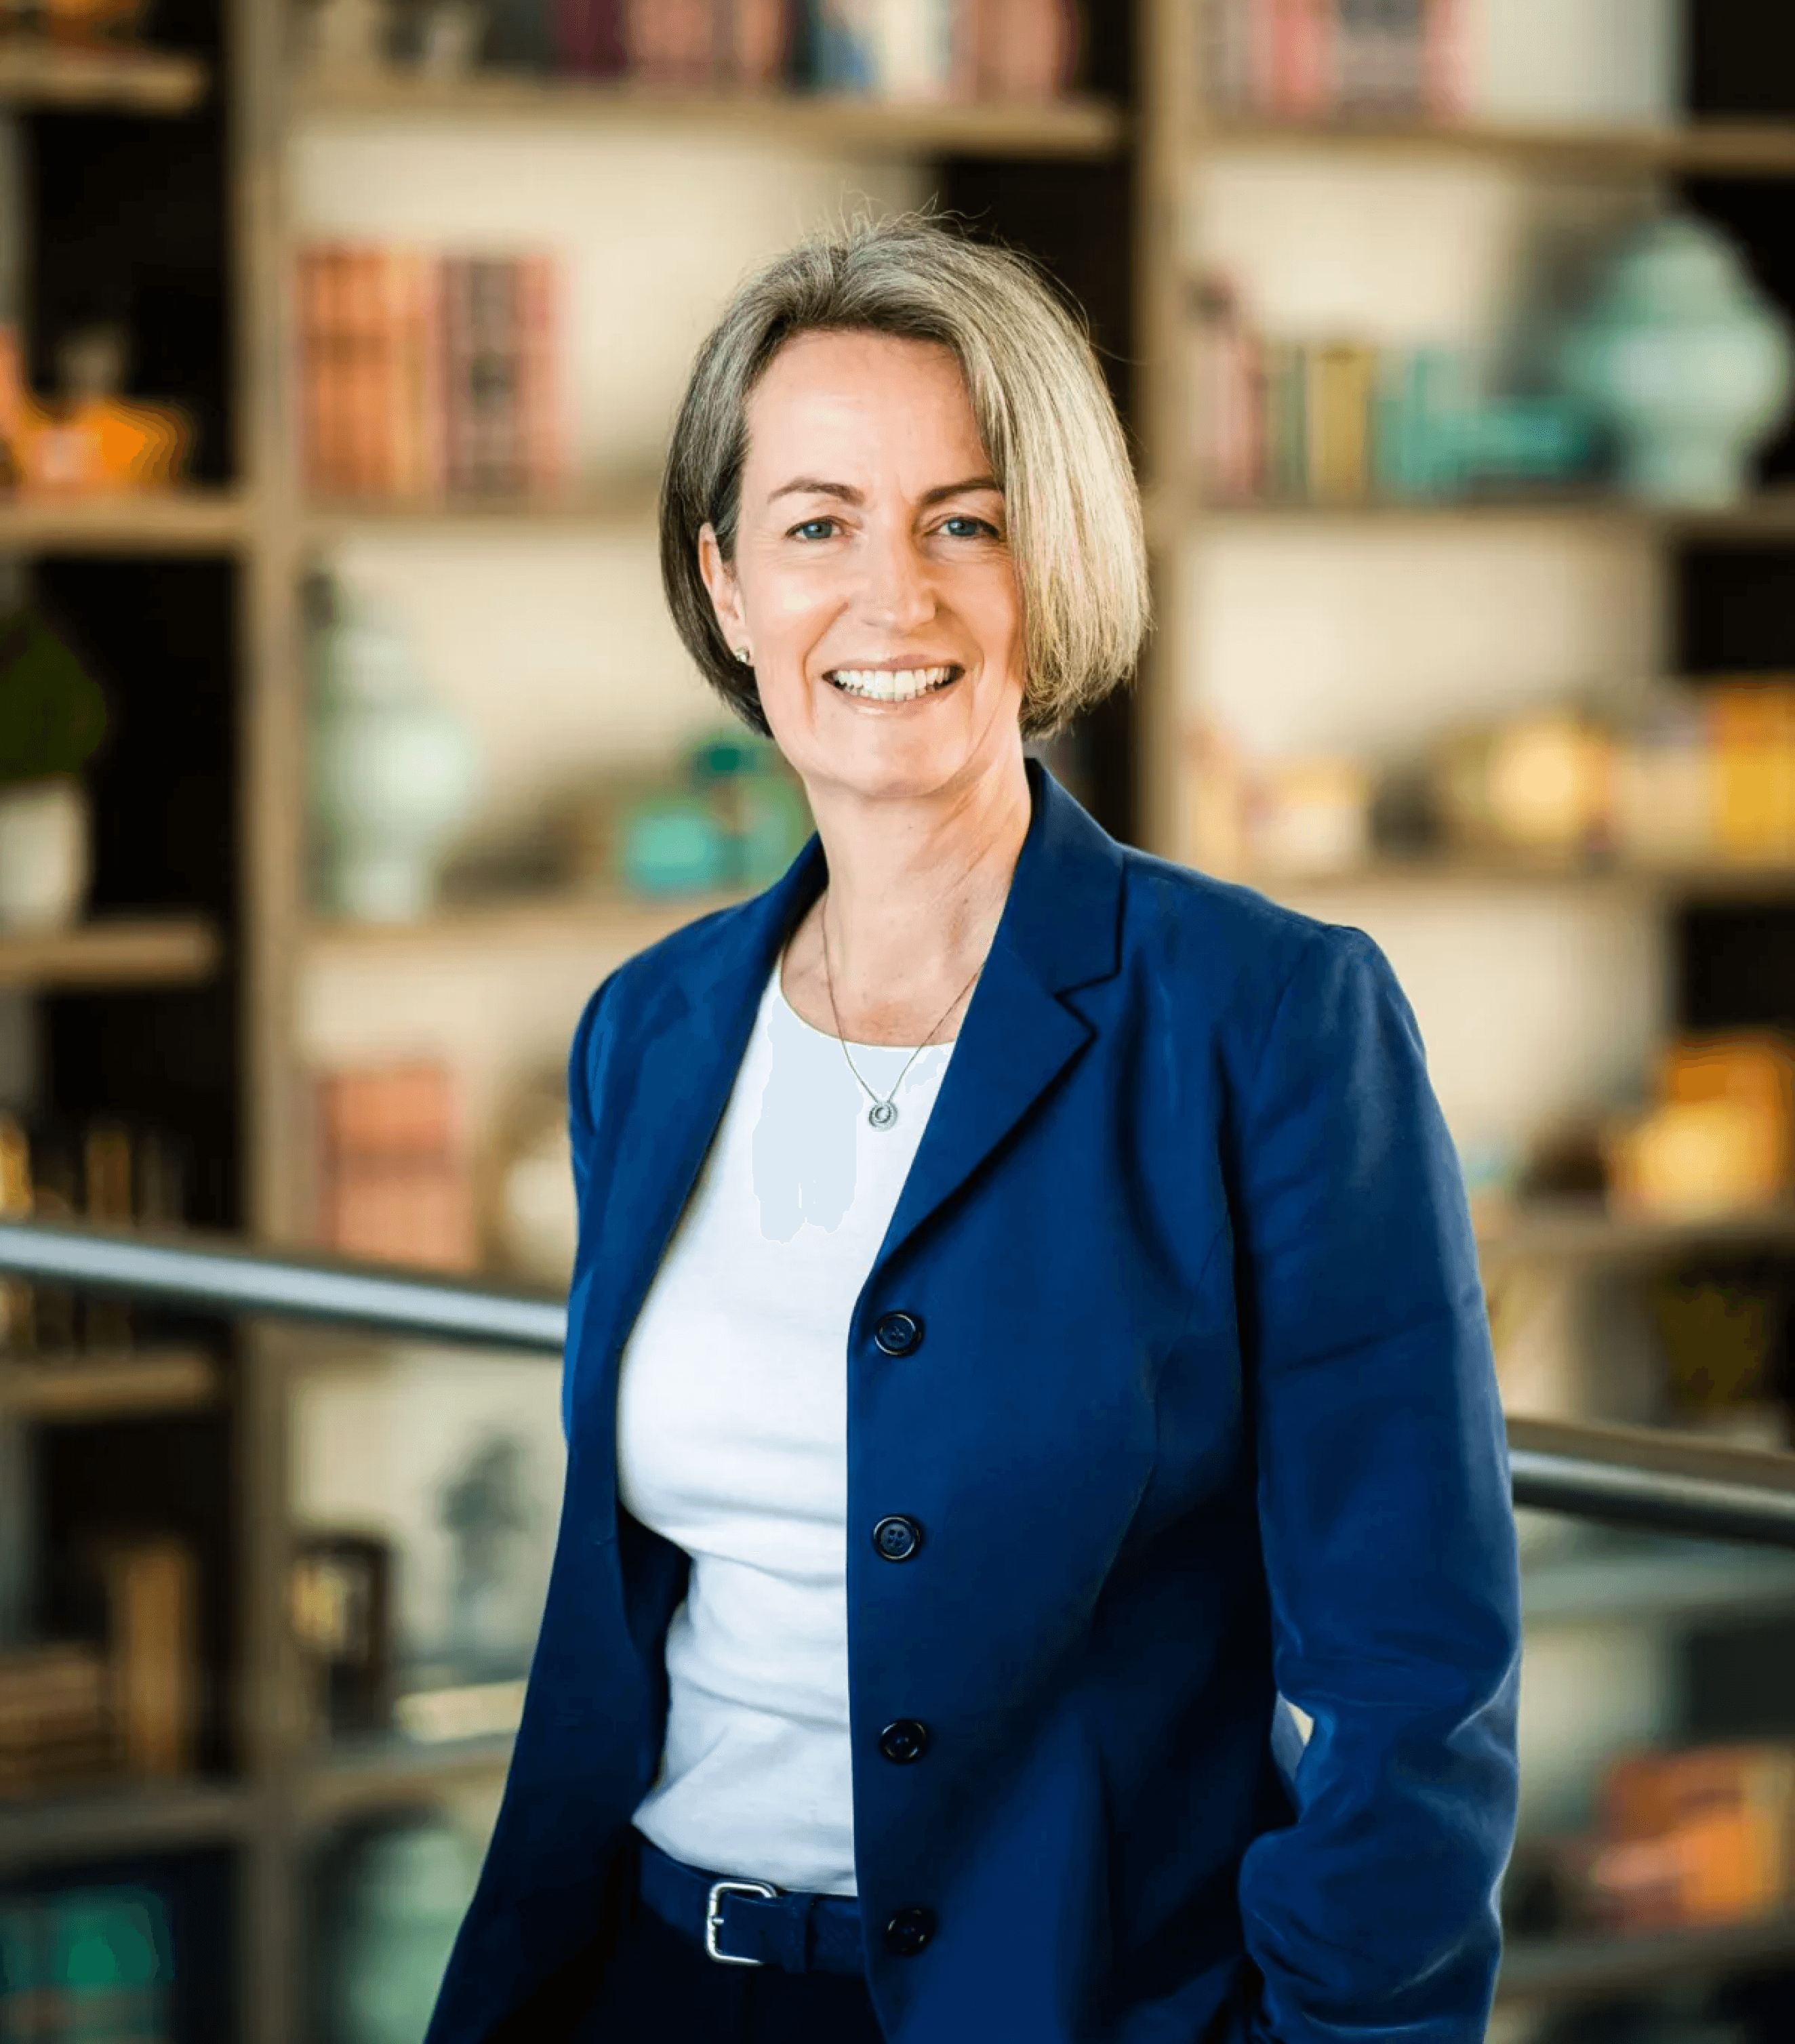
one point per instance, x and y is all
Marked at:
(1387, 1532)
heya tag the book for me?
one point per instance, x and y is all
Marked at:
(587, 37)
(542, 423)
(756, 44)
(1028, 49)
(394, 1179)
(671, 43)
(152, 1614)
(1342, 382)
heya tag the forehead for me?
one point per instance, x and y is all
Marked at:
(865, 395)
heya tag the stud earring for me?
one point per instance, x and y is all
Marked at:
(744, 655)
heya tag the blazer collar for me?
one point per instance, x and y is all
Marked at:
(1060, 929)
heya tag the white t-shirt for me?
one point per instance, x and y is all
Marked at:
(732, 1443)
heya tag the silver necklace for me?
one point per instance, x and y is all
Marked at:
(882, 1113)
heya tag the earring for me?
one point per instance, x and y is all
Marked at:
(744, 655)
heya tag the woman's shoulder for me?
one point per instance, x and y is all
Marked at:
(1178, 920)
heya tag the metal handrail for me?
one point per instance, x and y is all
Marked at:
(1627, 1476)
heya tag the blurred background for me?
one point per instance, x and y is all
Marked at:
(345, 746)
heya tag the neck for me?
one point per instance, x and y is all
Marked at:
(916, 890)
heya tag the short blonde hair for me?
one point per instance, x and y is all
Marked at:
(1043, 412)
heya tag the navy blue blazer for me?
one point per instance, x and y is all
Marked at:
(1203, 1410)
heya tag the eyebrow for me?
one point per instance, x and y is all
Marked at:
(809, 485)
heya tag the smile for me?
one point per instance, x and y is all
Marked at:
(894, 684)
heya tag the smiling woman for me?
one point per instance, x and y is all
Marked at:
(1025, 1346)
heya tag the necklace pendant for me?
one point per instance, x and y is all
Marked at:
(882, 1113)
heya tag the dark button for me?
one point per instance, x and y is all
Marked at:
(897, 1334)
(897, 1539)
(905, 1741)
(909, 1931)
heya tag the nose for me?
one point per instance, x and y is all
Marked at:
(898, 594)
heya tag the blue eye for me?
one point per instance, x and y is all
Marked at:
(963, 526)
(814, 529)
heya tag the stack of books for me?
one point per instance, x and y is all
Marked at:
(427, 377)
(73, 1711)
(395, 1181)
(102, 1170)
(1322, 59)
(892, 49)
(55, 1718)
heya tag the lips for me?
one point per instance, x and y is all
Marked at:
(892, 685)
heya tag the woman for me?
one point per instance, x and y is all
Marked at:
(1025, 1319)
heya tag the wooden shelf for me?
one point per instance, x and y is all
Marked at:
(614, 924)
(107, 1386)
(1720, 880)
(130, 80)
(1729, 148)
(624, 509)
(130, 1818)
(160, 951)
(362, 1773)
(1072, 127)
(179, 521)
(1769, 516)
(1591, 1969)
(1585, 1231)
(1657, 1578)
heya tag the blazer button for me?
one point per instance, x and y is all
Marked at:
(897, 1538)
(905, 1741)
(897, 1334)
(909, 1931)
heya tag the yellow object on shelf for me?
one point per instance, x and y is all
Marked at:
(1752, 727)
(93, 444)
(1722, 1138)
(1542, 784)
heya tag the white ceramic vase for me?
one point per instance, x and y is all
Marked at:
(45, 853)
(393, 773)
(1684, 357)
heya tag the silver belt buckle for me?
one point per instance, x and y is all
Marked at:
(714, 1915)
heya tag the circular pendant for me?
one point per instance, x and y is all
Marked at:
(882, 1113)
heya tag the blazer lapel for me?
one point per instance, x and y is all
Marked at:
(1060, 929)
(669, 1080)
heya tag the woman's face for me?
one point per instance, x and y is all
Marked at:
(872, 579)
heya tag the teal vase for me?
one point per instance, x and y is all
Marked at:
(1685, 360)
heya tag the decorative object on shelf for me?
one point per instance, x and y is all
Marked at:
(1721, 1138)
(52, 716)
(1685, 358)
(85, 1963)
(450, 33)
(394, 772)
(1702, 1837)
(1718, 1337)
(395, 1895)
(731, 814)
(1539, 783)
(340, 1607)
(532, 1220)
(345, 42)
(90, 441)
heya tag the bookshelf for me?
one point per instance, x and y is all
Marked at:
(68, 77)
(1101, 187)
(118, 952)
(1073, 127)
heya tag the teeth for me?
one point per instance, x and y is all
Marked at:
(898, 685)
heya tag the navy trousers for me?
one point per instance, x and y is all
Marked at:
(661, 1988)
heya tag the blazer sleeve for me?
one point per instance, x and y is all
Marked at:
(1386, 1522)
(582, 1133)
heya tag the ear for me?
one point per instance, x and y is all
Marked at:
(725, 594)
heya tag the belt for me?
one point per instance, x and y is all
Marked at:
(750, 1923)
